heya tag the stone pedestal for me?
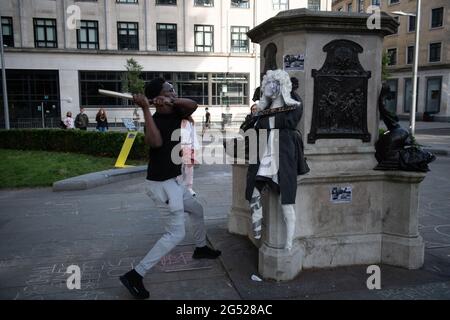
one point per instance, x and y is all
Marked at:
(379, 223)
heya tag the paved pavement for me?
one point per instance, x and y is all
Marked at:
(107, 230)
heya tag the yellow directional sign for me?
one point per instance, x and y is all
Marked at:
(126, 148)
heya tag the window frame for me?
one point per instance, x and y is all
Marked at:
(440, 96)
(396, 92)
(97, 43)
(128, 1)
(431, 18)
(9, 41)
(407, 54)
(196, 46)
(405, 80)
(46, 27)
(409, 24)
(429, 52)
(396, 56)
(128, 35)
(175, 30)
(240, 7)
(279, 4)
(203, 6)
(239, 33)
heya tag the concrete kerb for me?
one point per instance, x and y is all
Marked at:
(95, 179)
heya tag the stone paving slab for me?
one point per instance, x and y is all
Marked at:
(108, 229)
(240, 260)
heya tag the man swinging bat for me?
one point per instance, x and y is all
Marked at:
(162, 184)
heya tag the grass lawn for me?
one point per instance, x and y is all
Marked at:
(41, 168)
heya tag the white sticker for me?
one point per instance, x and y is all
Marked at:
(292, 62)
(341, 195)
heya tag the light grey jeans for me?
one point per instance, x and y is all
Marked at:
(179, 200)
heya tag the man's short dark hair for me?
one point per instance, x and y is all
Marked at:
(154, 87)
(294, 80)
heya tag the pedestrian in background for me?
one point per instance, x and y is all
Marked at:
(82, 120)
(68, 121)
(102, 120)
(207, 124)
(189, 145)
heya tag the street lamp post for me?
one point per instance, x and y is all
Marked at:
(415, 66)
(5, 91)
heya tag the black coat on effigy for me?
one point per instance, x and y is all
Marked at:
(292, 162)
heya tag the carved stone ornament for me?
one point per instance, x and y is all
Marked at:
(340, 94)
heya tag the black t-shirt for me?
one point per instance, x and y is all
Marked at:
(160, 166)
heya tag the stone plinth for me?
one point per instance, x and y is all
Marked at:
(378, 226)
(339, 84)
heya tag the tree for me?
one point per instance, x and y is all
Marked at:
(131, 80)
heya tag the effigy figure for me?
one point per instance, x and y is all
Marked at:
(396, 148)
(283, 159)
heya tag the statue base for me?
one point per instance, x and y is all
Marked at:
(376, 222)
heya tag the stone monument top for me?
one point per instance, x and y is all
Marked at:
(335, 22)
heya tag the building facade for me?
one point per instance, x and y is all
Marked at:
(433, 95)
(59, 53)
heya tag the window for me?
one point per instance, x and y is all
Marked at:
(433, 104)
(240, 4)
(127, 36)
(87, 35)
(392, 55)
(360, 6)
(411, 23)
(398, 20)
(239, 39)
(350, 7)
(410, 55)
(7, 29)
(230, 89)
(280, 4)
(192, 86)
(187, 85)
(391, 105)
(204, 38)
(435, 52)
(166, 2)
(394, 2)
(45, 33)
(166, 37)
(127, 1)
(437, 17)
(91, 81)
(376, 2)
(204, 3)
(408, 95)
(314, 5)
(27, 89)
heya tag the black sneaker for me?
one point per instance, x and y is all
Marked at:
(206, 253)
(133, 282)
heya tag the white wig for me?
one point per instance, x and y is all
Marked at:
(285, 88)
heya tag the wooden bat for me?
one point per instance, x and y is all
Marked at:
(115, 94)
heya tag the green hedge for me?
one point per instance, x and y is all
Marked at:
(106, 144)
